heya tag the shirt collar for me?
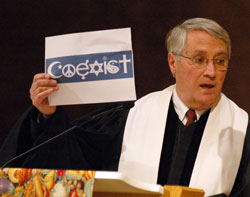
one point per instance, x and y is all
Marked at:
(181, 108)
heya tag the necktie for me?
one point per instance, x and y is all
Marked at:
(191, 116)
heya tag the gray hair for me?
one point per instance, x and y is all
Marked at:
(176, 38)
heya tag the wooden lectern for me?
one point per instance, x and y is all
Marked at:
(174, 191)
(114, 184)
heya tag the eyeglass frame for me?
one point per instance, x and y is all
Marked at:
(223, 68)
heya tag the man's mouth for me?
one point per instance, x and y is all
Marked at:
(207, 86)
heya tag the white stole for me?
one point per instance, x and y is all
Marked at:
(220, 150)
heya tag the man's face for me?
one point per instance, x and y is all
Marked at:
(199, 88)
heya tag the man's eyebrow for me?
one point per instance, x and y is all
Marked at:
(221, 53)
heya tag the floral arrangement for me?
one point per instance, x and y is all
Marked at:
(22, 182)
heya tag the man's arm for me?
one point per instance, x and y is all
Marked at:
(31, 124)
(94, 144)
(27, 133)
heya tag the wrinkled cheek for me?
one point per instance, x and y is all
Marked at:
(222, 79)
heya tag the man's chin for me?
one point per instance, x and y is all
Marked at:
(208, 101)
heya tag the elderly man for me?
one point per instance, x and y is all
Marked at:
(188, 134)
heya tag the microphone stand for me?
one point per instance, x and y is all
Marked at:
(126, 105)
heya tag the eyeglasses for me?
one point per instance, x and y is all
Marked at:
(199, 61)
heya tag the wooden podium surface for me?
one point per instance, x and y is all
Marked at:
(114, 184)
(169, 191)
(175, 191)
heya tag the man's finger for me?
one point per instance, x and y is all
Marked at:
(41, 76)
(42, 93)
(43, 83)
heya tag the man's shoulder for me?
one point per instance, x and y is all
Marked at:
(154, 102)
(157, 95)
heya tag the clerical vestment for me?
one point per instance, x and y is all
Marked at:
(220, 150)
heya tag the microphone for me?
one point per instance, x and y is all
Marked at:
(123, 106)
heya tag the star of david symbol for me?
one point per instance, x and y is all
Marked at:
(98, 70)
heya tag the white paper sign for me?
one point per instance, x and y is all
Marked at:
(91, 67)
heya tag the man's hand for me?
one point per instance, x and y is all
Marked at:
(43, 86)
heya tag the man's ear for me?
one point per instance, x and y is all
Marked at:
(172, 63)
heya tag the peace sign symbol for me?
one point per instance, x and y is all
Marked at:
(68, 70)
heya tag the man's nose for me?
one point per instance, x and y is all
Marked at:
(210, 69)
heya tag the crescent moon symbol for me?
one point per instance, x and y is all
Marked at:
(50, 70)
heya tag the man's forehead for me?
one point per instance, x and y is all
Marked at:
(199, 41)
(202, 35)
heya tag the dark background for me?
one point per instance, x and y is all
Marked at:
(24, 25)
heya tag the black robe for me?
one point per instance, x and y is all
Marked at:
(96, 145)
